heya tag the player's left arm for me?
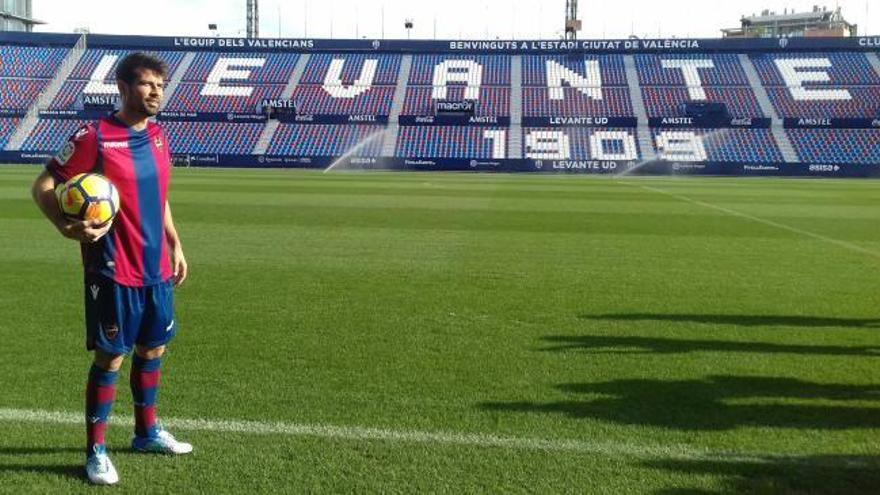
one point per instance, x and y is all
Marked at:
(178, 260)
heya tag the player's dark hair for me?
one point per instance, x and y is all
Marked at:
(127, 69)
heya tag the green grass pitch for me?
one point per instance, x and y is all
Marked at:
(458, 333)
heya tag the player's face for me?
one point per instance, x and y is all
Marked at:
(144, 95)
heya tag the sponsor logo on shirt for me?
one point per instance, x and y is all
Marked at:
(114, 144)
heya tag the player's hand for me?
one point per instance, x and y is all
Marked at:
(178, 263)
(86, 231)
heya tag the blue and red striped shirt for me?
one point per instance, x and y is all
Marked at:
(135, 251)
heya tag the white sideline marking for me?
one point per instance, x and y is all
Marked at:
(682, 452)
(846, 245)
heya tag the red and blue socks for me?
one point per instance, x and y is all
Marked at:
(144, 389)
(100, 393)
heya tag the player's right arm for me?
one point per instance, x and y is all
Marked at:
(78, 156)
(43, 192)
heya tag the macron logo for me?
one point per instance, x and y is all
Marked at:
(114, 144)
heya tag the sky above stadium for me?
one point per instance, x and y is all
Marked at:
(446, 19)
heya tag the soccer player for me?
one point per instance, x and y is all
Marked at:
(131, 265)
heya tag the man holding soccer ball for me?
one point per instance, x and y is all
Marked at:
(131, 264)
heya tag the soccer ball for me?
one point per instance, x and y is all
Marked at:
(88, 197)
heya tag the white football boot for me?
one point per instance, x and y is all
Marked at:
(99, 468)
(162, 443)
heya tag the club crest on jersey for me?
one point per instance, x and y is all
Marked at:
(66, 152)
(158, 142)
(111, 331)
(81, 133)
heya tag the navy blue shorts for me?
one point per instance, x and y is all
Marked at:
(118, 317)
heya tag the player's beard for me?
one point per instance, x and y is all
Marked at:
(150, 110)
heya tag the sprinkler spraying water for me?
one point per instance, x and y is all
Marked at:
(360, 145)
(710, 140)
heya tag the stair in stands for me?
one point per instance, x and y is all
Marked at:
(646, 142)
(29, 123)
(175, 78)
(776, 127)
(272, 125)
(515, 133)
(390, 144)
(874, 60)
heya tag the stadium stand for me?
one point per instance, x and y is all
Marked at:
(346, 84)
(451, 142)
(573, 102)
(549, 70)
(579, 143)
(843, 69)
(212, 137)
(856, 102)
(834, 94)
(492, 100)
(664, 102)
(19, 94)
(717, 145)
(50, 134)
(7, 127)
(351, 68)
(486, 70)
(837, 146)
(94, 57)
(327, 140)
(252, 68)
(668, 81)
(30, 62)
(715, 70)
(197, 97)
(99, 64)
(824, 85)
(372, 100)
